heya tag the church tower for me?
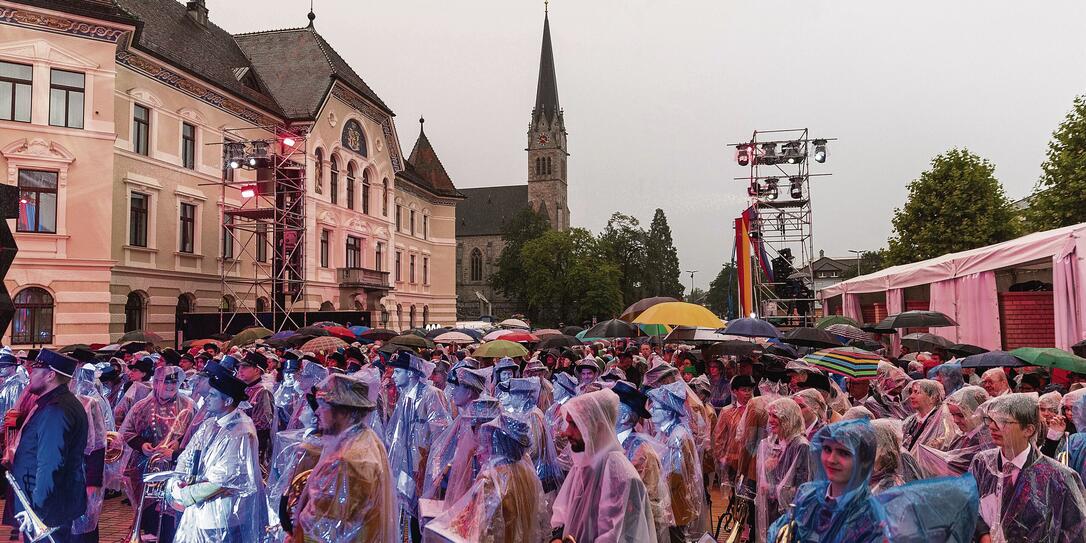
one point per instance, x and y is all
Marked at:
(547, 143)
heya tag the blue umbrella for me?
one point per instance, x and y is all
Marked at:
(283, 335)
(750, 327)
(357, 330)
(992, 359)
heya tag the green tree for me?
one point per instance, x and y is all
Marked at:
(696, 296)
(1059, 198)
(662, 260)
(622, 243)
(723, 290)
(567, 280)
(956, 205)
(523, 227)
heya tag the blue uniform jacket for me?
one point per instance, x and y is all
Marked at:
(48, 463)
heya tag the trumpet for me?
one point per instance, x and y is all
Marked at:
(37, 531)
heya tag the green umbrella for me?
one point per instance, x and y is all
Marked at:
(249, 335)
(1051, 358)
(835, 319)
(412, 340)
(499, 348)
(655, 329)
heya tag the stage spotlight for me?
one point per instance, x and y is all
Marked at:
(288, 141)
(771, 192)
(769, 154)
(820, 150)
(796, 188)
(248, 191)
(234, 164)
(754, 190)
(793, 152)
(742, 154)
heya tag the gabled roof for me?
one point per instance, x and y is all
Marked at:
(299, 66)
(106, 10)
(168, 33)
(425, 169)
(485, 210)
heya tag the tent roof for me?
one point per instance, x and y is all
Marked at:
(1015, 252)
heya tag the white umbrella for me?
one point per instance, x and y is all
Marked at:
(454, 337)
(514, 323)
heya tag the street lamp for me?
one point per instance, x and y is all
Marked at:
(691, 272)
(859, 257)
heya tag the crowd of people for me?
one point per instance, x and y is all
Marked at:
(617, 440)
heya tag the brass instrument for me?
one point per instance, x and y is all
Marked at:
(155, 490)
(114, 449)
(291, 498)
(1063, 457)
(787, 533)
(38, 531)
(741, 511)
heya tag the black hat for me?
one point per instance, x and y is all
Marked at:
(629, 352)
(633, 398)
(145, 364)
(210, 344)
(171, 357)
(818, 381)
(230, 386)
(355, 353)
(214, 369)
(82, 354)
(408, 361)
(60, 363)
(8, 359)
(32, 354)
(254, 358)
(187, 356)
(109, 374)
(743, 381)
(338, 357)
(291, 365)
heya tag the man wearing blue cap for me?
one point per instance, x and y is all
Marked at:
(48, 464)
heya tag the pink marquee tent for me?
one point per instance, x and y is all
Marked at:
(963, 285)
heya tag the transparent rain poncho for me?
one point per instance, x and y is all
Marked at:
(852, 517)
(644, 452)
(419, 418)
(286, 395)
(893, 466)
(84, 385)
(13, 379)
(603, 497)
(349, 496)
(948, 375)
(523, 401)
(1043, 501)
(679, 460)
(891, 386)
(296, 451)
(783, 463)
(224, 498)
(452, 458)
(943, 509)
(816, 406)
(1076, 443)
(970, 440)
(308, 376)
(504, 502)
(936, 430)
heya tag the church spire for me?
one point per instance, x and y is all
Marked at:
(546, 94)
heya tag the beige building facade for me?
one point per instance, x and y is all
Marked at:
(116, 115)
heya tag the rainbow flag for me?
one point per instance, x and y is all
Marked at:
(743, 265)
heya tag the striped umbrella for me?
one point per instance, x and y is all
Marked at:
(849, 331)
(847, 361)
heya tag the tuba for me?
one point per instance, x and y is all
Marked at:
(290, 500)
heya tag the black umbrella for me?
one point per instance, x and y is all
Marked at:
(475, 334)
(965, 349)
(313, 331)
(220, 337)
(782, 350)
(297, 340)
(572, 330)
(866, 344)
(1079, 348)
(810, 337)
(926, 342)
(378, 334)
(730, 347)
(992, 359)
(558, 342)
(612, 328)
(437, 332)
(877, 328)
(694, 334)
(750, 327)
(917, 319)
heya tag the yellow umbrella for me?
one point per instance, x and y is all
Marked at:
(679, 314)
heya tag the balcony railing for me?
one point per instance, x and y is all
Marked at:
(364, 278)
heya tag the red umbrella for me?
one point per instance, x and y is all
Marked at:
(521, 337)
(342, 333)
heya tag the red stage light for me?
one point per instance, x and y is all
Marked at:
(248, 191)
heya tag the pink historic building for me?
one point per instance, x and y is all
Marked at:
(112, 118)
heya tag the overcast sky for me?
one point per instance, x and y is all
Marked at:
(653, 91)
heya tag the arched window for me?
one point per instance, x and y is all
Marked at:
(476, 264)
(186, 303)
(425, 315)
(412, 322)
(227, 304)
(33, 322)
(318, 171)
(261, 304)
(134, 310)
(350, 185)
(333, 183)
(384, 198)
(366, 192)
(327, 306)
(548, 165)
(537, 165)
